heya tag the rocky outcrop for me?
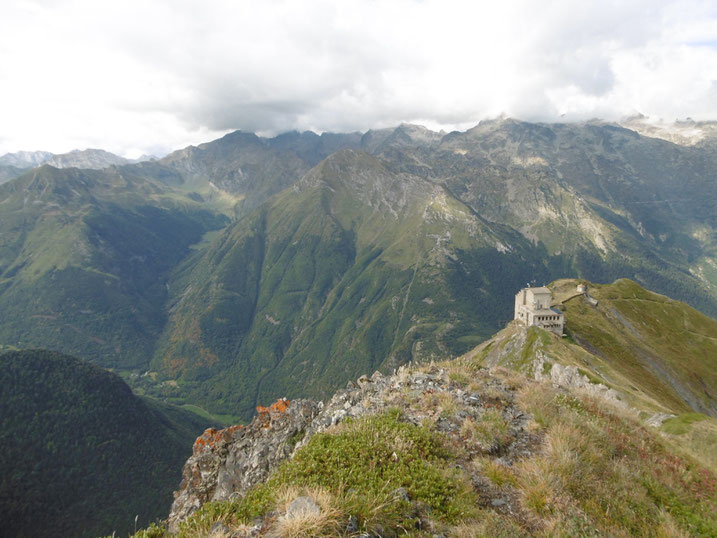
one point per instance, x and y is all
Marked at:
(228, 462)
(569, 377)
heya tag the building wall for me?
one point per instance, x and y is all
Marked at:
(538, 300)
(527, 301)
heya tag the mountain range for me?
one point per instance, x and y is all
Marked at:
(13, 165)
(250, 268)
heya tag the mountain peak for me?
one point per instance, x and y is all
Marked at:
(25, 159)
(92, 159)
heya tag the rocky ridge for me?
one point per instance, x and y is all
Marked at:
(527, 418)
(227, 463)
(542, 366)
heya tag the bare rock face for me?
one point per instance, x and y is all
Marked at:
(232, 460)
(569, 377)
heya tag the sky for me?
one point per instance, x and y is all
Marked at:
(150, 76)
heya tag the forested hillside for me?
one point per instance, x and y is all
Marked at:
(81, 455)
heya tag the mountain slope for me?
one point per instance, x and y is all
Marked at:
(81, 454)
(340, 261)
(619, 204)
(25, 159)
(414, 252)
(8, 172)
(13, 165)
(90, 159)
(353, 270)
(241, 170)
(356, 268)
(84, 257)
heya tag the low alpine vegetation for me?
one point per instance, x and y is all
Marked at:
(497, 456)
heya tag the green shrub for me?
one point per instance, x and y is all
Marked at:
(363, 462)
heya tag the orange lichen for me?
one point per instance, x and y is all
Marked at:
(211, 437)
(264, 414)
(280, 406)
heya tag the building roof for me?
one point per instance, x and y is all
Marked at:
(545, 312)
(541, 289)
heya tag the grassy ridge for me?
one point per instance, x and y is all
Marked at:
(659, 354)
(589, 469)
(668, 349)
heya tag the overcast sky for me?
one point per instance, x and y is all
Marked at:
(149, 76)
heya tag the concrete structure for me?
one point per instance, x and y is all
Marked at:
(532, 307)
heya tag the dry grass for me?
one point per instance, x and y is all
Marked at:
(560, 450)
(536, 486)
(498, 473)
(489, 525)
(512, 379)
(241, 531)
(458, 375)
(697, 439)
(447, 404)
(494, 395)
(490, 430)
(668, 527)
(599, 465)
(306, 522)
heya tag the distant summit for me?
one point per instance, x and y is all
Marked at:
(25, 159)
(13, 165)
(687, 132)
(92, 159)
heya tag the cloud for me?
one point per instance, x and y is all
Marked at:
(138, 76)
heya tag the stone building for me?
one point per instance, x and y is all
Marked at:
(532, 307)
